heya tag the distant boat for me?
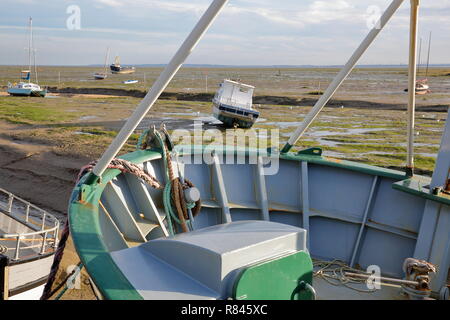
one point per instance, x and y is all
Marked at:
(130, 81)
(422, 86)
(27, 88)
(103, 75)
(116, 68)
(100, 76)
(232, 105)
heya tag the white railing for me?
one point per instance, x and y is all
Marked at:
(34, 218)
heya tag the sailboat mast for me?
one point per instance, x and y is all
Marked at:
(428, 58)
(420, 54)
(106, 60)
(30, 46)
(35, 66)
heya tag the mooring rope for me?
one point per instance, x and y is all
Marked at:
(125, 167)
(47, 293)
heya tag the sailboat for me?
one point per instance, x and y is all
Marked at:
(103, 75)
(24, 88)
(116, 67)
(219, 222)
(422, 86)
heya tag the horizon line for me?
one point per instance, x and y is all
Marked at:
(235, 65)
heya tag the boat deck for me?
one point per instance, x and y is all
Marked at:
(327, 291)
(20, 217)
(10, 244)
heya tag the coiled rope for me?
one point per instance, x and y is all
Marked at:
(175, 204)
(334, 272)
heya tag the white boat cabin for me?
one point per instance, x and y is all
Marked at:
(235, 94)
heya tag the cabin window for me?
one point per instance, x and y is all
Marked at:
(245, 90)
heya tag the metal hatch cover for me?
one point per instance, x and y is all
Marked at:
(276, 279)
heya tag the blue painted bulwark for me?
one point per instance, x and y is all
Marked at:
(351, 212)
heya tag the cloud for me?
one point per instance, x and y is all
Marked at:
(247, 31)
(110, 3)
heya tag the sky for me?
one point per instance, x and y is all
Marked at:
(247, 32)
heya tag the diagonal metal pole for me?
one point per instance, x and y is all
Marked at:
(342, 75)
(158, 87)
(412, 75)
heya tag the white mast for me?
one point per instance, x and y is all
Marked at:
(428, 58)
(412, 84)
(30, 48)
(106, 60)
(158, 87)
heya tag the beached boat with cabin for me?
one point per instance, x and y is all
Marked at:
(215, 222)
(27, 88)
(28, 241)
(233, 105)
(117, 68)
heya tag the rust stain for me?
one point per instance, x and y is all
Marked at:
(333, 160)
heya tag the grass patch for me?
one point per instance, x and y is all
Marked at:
(30, 111)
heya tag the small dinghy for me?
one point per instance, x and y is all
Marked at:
(28, 240)
(220, 222)
(130, 81)
(232, 105)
